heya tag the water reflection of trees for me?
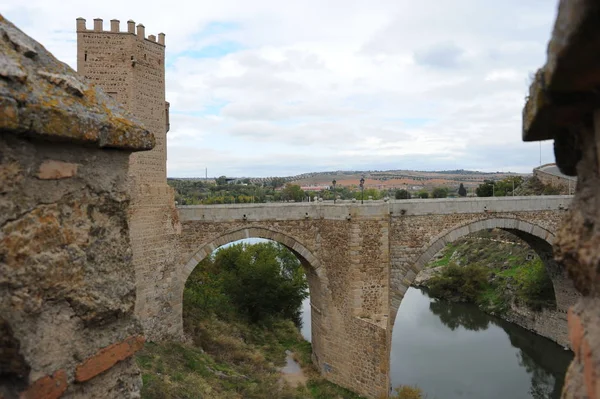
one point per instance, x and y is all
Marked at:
(540, 357)
(454, 315)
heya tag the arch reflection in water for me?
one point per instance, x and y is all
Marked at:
(453, 350)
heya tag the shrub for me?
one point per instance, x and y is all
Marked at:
(440, 192)
(407, 392)
(460, 283)
(257, 282)
(402, 194)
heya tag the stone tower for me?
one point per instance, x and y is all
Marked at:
(130, 67)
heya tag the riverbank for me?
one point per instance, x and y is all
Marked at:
(503, 276)
(233, 359)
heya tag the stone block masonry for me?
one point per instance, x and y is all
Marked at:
(67, 283)
(360, 260)
(131, 68)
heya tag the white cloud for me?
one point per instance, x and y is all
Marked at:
(273, 88)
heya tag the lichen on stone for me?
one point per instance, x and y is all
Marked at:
(41, 96)
(69, 83)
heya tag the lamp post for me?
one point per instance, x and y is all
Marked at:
(334, 182)
(362, 189)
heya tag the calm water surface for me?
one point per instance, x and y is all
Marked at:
(457, 351)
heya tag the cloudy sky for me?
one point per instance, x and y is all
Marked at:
(266, 87)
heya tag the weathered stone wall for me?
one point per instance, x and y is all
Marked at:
(563, 106)
(67, 286)
(131, 67)
(565, 184)
(578, 248)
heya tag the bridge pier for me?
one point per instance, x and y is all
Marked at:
(347, 266)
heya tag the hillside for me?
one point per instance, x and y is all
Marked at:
(389, 179)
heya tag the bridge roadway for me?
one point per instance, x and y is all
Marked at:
(553, 170)
(345, 210)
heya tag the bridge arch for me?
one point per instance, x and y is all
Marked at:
(539, 238)
(525, 230)
(315, 275)
(306, 257)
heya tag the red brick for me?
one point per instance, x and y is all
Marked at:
(48, 387)
(52, 170)
(108, 357)
(575, 331)
(590, 374)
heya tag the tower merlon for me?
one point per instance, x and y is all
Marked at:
(98, 24)
(81, 24)
(114, 25)
(141, 31)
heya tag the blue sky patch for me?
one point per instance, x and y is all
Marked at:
(213, 51)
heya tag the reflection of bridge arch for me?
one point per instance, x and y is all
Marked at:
(539, 238)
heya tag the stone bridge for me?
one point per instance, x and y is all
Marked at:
(359, 259)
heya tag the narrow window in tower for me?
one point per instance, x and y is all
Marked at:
(144, 57)
(85, 56)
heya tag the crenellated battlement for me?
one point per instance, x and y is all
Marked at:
(139, 30)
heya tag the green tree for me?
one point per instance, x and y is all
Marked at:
(505, 186)
(292, 192)
(485, 189)
(277, 182)
(462, 191)
(402, 194)
(221, 180)
(256, 282)
(368, 192)
(459, 283)
(423, 194)
(440, 192)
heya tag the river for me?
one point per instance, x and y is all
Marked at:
(453, 350)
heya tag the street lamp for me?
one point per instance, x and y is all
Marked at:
(334, 182)
(362, 188)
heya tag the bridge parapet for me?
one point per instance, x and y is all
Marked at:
(372, 209)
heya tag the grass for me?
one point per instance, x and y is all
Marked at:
(447, 254)
(232, 359)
